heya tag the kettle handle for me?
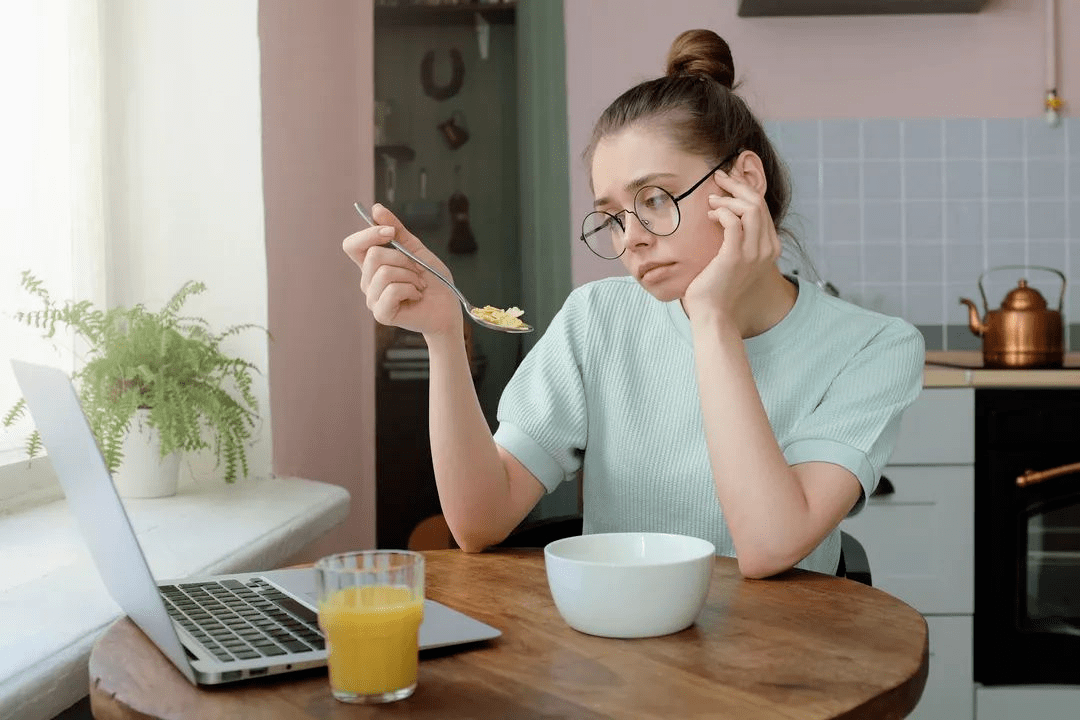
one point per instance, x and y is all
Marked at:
(1061, 300)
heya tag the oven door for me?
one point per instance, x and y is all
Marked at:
(1049, 536)
(1027, 541)
(1035, 638)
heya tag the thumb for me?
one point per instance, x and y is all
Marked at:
(384, 216)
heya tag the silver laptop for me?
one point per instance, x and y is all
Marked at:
(214, 629)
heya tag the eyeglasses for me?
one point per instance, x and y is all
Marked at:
(655, 208)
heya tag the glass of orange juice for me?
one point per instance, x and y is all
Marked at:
(371, 604)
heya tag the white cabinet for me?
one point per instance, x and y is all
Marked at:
(1042, 702)
(949, 692)
(919, 539)
(938, 429)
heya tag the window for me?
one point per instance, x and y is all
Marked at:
(51, 211)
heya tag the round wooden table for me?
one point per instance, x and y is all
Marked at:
(801, 645)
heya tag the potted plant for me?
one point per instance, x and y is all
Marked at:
(152, 377)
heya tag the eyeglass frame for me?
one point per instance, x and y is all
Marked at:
(674, 199)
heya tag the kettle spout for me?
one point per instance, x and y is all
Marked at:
(974, 321)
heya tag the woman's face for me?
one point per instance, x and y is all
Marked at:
(637, 156)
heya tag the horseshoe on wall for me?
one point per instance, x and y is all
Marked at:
(427, 79)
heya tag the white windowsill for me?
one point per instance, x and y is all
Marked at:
(26, 483)
(53, 605)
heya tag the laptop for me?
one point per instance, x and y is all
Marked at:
(214, 629)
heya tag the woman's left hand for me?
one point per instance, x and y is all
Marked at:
(747, 254)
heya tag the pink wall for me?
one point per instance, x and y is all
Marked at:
(988, 64)
(317, 97)
(317, 143)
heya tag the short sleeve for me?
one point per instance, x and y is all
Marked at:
(542, 413)
(857, 421)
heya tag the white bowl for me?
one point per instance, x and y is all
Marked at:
(629, 585)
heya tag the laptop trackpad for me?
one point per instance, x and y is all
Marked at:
(442, 626)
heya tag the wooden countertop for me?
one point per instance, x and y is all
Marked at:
(963, 368)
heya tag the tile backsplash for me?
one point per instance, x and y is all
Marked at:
(903, 215)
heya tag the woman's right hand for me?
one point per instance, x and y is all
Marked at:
(400, 292)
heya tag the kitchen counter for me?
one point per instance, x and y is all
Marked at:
(963, 368)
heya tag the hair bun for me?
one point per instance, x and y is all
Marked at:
(703, 53)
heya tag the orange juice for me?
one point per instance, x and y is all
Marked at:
(371, 637)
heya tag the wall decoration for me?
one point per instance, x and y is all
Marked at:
(427, 75)
(453, 129)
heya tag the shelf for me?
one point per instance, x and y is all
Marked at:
(777, 8)
(434, 15)
(401, 153)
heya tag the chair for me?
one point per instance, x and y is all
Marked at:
(854, 564)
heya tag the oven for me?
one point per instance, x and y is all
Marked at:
(1027, 536)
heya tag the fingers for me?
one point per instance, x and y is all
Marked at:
(386, 305)
(386, 276)
(736, 187)
(356, 246)
(755, 223)
(388, 227)
(379, 257)
(388, 287)
(733, 228)
(384, 216)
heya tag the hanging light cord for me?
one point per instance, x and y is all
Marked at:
(1053, 104)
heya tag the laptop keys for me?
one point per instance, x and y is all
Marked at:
(234, 621)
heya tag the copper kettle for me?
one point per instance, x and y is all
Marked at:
(1024, 333)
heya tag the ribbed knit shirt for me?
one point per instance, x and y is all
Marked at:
(611, 389)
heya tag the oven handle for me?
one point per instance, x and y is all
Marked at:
(1032, 477)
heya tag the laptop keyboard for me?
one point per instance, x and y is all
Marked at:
(242, 621)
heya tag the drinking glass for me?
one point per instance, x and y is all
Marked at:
(371, 604)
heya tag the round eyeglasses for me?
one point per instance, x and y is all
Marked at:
(655, 208)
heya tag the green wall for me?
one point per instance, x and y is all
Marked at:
(488, 165)
(514, 171)
(545, 172)
(545, 183)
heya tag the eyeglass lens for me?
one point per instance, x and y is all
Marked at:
(654, 207)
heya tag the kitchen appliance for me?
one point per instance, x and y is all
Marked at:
(1027, 536)
(1024, 332)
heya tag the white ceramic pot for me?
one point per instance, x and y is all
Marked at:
(143, 473)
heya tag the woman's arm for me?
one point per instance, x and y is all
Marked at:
(776, 513)
(483, 490)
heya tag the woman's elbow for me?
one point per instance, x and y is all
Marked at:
(471, 541)
(757, 566)
(472, 546)
(760, 572)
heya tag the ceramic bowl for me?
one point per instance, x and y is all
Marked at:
(629, 585)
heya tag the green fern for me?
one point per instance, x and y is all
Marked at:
(167, 363)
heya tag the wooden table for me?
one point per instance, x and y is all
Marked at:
(802, 645)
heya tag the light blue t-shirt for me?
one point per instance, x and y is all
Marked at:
(611, 389)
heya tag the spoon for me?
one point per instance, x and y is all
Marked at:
(469, 307)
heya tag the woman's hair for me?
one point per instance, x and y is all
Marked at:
(695, 104)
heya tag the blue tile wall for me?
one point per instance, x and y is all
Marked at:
(903, 215)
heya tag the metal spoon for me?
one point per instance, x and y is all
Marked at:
(469, 307)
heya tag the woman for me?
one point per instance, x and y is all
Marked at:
(706, 393)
